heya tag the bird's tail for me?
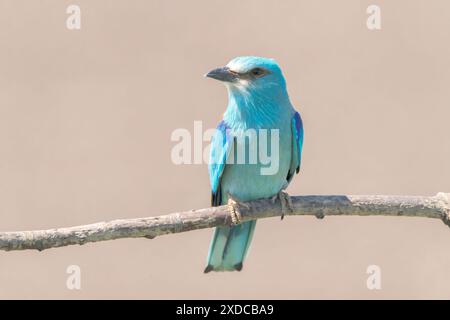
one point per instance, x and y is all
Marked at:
(229, 247)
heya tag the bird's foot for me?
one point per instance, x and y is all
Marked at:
(286, 202)
(233, 207)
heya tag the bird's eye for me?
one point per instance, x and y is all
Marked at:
(257, 72)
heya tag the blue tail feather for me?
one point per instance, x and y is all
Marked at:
(229, 247)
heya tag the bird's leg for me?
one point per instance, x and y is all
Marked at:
(233, 207)
(285, 201)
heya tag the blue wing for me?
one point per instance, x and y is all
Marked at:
(297, 145)
(220, 146)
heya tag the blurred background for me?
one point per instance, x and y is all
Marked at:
(86, 118)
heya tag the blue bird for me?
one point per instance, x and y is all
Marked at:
(239, 169)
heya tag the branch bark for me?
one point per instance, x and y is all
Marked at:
(437, 207)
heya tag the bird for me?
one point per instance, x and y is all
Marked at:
(258, 102)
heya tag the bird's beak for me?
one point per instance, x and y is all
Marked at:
(222, 74)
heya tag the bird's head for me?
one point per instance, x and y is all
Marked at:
(247, 76)
(256, 92)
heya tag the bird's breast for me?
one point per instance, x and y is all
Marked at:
(258, 163)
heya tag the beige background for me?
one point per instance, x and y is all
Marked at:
(86, 118)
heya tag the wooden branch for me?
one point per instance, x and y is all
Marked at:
(437, 207)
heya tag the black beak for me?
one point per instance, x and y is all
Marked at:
(222, 74)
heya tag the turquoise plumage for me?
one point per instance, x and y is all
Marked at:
(259, 111)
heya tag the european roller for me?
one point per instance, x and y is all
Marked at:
(259, 121)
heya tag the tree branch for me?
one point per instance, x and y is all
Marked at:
(437, 207)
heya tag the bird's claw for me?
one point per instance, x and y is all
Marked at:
(233, 207)
(285, 201)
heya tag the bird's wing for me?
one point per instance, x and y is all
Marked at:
(297, 145)
(221, 144)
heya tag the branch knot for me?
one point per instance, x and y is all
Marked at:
(444, 198)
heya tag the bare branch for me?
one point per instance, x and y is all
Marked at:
(437, 207)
